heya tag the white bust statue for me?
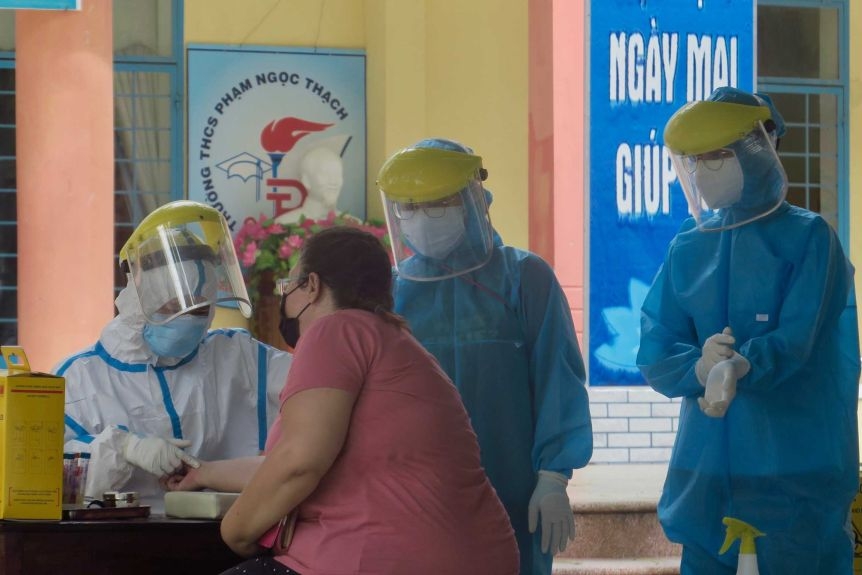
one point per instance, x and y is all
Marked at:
(322, 174)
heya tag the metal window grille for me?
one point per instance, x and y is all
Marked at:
(8, 207)
(803, 54)
(146, 155)
(147, 148)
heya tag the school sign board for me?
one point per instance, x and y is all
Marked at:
(647, 59)
(259, 115)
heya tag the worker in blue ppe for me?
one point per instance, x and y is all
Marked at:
(752, 321)
(498, 322)
(159, 389)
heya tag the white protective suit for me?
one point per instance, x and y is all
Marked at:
(222, 397)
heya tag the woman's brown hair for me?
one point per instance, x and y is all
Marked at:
(355, 267)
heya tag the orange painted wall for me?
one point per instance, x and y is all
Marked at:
(557, 57)
(65, 152)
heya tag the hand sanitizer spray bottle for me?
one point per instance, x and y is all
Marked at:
(741, 530)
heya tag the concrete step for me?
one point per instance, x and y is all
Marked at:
(615, 516)
(618, 530)
(643, 566)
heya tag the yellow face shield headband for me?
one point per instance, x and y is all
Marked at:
(419, 175)
(704, 126)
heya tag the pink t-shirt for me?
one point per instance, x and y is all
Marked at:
(407, 494)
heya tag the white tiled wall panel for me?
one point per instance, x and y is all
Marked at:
(632, 425)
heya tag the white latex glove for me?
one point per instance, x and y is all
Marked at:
(156, 455)
(716, 348)
(721, 385)
(549, 500)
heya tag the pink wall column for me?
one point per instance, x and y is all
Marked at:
(541, 128)
(557, 139)
(64, 117)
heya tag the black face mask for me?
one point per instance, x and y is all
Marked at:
(289, 326)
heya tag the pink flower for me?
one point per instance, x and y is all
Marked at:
(294, 241)
(254, 230)
(249, 254)
(274, 229)
(262, 245)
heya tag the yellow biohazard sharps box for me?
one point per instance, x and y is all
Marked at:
(31, 440)
(856, 519)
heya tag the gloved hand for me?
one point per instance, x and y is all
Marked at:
(156, 455)
(549, 500)
(721, 385)
(716, 348)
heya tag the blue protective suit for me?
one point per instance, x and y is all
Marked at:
(505, 336)
(785, 456)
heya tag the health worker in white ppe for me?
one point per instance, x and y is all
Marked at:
(158, 389)
(751, 320)
(497, 320)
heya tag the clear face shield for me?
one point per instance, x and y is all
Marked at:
(441, 237)
(185, 269)
(735, 184)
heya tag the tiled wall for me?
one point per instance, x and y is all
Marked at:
(632, 425)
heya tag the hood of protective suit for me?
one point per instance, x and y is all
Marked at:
(123, 337)
(764, 184)
(489, 197)
(764, 179)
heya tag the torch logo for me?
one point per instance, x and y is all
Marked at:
(277, 139)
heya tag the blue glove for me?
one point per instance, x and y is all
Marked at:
(551, 503)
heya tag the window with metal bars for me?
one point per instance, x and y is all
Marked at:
(802, 62)
(147, 112)
(147, 131)
(145, 117)
(8, 207)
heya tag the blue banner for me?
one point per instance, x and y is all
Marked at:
(276, 131)
(647, 59)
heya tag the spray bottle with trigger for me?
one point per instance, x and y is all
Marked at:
(741, 530)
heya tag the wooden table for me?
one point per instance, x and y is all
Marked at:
(155, 545)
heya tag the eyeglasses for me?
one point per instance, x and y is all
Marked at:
(711, 160)
(435, 209)
(192, 307)
(282, 285)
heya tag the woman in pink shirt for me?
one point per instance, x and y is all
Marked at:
(373, 455)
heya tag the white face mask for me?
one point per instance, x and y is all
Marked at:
(719, 188)
(435, 237)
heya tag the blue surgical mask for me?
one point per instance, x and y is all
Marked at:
(177, 338)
